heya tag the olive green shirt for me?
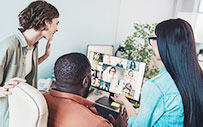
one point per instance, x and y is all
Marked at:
(13, 52)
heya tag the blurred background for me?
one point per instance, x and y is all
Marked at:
(102, 22)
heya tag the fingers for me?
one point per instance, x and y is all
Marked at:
(48, 48)
(18, 79)
(112, 119)
(6, 93)
(121, 120)
(117, 98)
(116, 95)
(123, 112)
(8, 86)
(113, 98)
(120, 111)
(48, 44)
(125, 115)
(13, 82)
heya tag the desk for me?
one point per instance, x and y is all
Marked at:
(104, 111)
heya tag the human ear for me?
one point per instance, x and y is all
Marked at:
(47, 24)
(85, 82)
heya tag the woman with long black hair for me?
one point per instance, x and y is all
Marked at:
(175, 96)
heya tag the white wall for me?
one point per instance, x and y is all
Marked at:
(84, 22)
(81, 23)
(142, 11)
(189, 11)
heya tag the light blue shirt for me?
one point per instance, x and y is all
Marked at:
(160, 105)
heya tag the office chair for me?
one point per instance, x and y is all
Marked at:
(27, 107)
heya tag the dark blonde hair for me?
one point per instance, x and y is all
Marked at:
(35, 14)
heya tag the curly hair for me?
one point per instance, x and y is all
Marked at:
(71, 68)
(35, 14)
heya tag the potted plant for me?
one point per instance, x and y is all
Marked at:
(137, 48)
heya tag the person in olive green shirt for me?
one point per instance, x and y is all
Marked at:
(19, 52)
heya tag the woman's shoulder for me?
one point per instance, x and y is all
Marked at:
(161, 77)
(10, 42)
(165, 83)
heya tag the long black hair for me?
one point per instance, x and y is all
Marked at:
(177, 50)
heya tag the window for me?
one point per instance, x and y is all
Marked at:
(198, 24)
(201, 6)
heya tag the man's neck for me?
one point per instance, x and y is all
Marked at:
(69, 89)
(32, 36)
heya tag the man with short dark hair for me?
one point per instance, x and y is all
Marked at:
(66, 103)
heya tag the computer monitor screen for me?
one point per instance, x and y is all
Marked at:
(117, 75)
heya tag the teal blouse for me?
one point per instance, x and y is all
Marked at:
(160, 105)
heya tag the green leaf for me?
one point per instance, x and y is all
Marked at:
(139, 51)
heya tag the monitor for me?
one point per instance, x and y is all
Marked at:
(117, 75)
(106, 49)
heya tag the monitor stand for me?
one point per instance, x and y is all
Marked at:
(106, 101)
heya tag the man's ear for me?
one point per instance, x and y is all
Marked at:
(85, 82)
